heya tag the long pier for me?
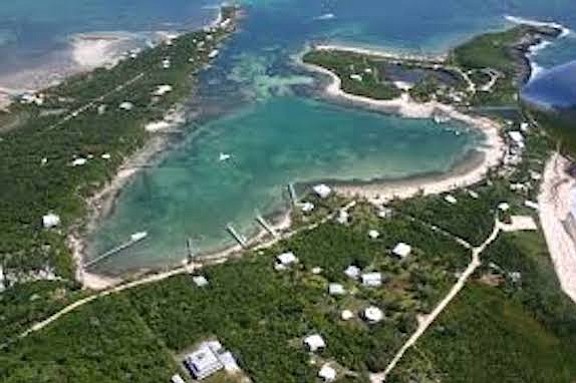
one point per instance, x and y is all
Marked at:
(293, 196)
(134, 240)
(266, 226)
(238, 237)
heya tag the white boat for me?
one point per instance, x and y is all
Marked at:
(138, 236)
(224, 157)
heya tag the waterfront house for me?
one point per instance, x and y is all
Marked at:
(323, 191)
(402, 250)
(314, 343)
(374, 234)
(200, 281)
(307, 207)
(372, 279)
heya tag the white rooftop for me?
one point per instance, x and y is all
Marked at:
(126, 105)
(336, 289)
(287, 258)
(200, 281)
(373, 234)
(79, 162)
(307, 207)
(372, 279)
(504, 206)
(450, 199)
(50, 220)
(516, 136)
(342, 217)
(402, 250)
(314, 342)
(327, 373)
(162, 90)
(177, 379)
(347, 315)
(316, 270)
(373, 314)
(352, 271)
(203, 362)
(322, 190)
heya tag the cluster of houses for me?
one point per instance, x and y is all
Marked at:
(208, 358)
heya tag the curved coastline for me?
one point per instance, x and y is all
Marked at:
(462, 175)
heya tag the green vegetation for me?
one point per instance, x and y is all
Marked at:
(360, 74)
(502, 52)
(24, 304)
(528, 326)
(36, 171)
(104, 342)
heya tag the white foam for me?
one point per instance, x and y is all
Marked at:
(537, 23)
(326, 16)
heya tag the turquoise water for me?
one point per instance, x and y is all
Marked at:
(282, 140)
(255, 104)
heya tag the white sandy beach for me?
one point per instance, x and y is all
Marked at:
(493, 150)
(554, 201)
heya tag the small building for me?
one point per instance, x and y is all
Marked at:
(126, 105)
(356, 77)
(161, 90)
(402, 250)
(373, 314)
(166, 64)
(314, 343)
(203, 362)
(473, 194)
(106, 156)
(450, 199)
(372, 279)
(50, 220)
(316, 270)
(385, 213)
(517, 138)
(532, 205)
(346, 315)
(327, 373)
(374, 234)
(343, 217)
(177, 379)
(213, 54)
(200, 280)
(286, 259)
(79, 162)
(336, 289)
(504, 206)
(323, 191)
(307, 207)
(352, 272)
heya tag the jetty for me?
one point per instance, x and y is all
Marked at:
(237, 236)
(292, 193)
(134, 239)
(266, 226)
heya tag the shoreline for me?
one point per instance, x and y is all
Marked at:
(461, 175)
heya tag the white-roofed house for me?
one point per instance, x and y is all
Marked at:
(200, 280)
(373, 314)
(126, 105)
(336, 289)
(50, 220)
(374, 234)
(322, 191)
(346, 315)
(286, 259)
(315, 343)
(372, 279)
(352, 272)
(203, 362)
(517, 137)
(450, 199)
(402, 250)
(327, 373)
(161, 90)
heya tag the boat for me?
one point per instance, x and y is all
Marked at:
(138, 236)
(224, 157)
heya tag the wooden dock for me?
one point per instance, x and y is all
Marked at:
(238, 237)
(267, 226)
(134, 240)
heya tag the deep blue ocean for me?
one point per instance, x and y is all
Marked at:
(256, 105)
